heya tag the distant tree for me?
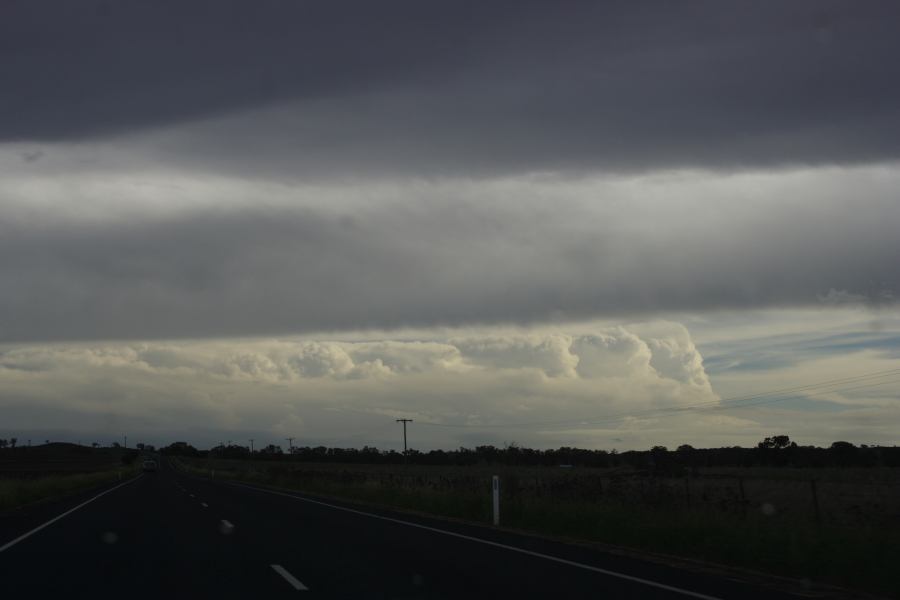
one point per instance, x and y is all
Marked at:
(776, 442)
(3, 443)
(180, 449)
(843, 453)
(94, 445)
(140, 446)
(658, 454)
(843, 446)
(487, 453)
(687, 455)
(13, 442)
(272, 449)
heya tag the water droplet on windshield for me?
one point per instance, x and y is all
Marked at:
(109, 537)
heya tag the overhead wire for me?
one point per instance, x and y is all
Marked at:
(735, 402)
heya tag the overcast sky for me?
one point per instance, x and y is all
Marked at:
(225, 219)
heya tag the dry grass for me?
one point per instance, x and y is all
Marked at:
(757, 518)
(56, 459)
(18, 492)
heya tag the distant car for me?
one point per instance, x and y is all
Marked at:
(150, 465)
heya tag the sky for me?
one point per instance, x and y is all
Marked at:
(605, 225)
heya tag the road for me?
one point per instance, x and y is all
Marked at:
(168, 534)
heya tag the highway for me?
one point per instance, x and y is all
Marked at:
(169, 534)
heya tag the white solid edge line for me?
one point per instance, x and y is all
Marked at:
(227, 523)
(12, 543)
(556, 559)
(204, 505)
(289, 578)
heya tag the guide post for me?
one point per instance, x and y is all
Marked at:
(495, 485)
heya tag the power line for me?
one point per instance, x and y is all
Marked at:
(828, 382)
(709, 405)
(733, 402)
(772, 400)
(363, 433)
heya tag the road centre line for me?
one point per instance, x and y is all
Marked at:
(555, 559)
(289, 578)
(204, 505)
(28, 534)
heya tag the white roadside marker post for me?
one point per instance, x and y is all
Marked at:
(495, 485)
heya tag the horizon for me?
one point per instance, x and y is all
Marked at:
(276, 449)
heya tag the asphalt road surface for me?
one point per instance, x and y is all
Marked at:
(168, 534)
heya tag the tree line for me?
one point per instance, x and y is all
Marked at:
(775, 451)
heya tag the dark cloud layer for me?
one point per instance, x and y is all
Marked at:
(232, 273)
(100, 98)
(460, 86)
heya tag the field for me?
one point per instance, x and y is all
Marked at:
(840, 526)
(32, 474)
(56, 459)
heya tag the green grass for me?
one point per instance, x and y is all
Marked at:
(862, 559)
(18, 492)
(786, 544)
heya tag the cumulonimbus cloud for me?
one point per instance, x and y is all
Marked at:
(613, 352)
(463, 379)
(587, 384)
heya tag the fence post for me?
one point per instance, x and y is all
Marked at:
(495, 486)
(815, 499)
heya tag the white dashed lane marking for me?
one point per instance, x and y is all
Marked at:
(289, 578)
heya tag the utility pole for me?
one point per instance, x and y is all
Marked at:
(290, 442)
(126, 440)
(404, 421)
(251, 445)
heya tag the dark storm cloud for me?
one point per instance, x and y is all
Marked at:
(232, 273)
(460, 86)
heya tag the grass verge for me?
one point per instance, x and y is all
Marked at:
(15, 493)
(862, 558)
